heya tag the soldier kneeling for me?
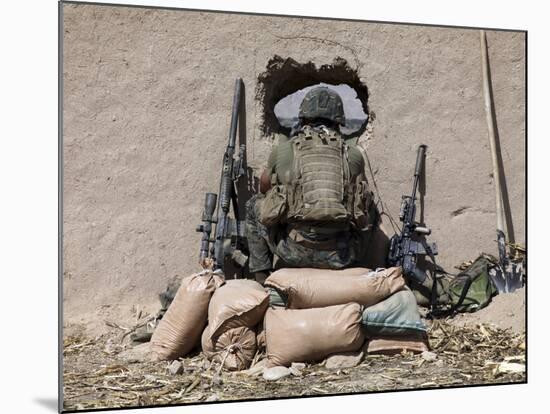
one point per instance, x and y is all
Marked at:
(314, 208)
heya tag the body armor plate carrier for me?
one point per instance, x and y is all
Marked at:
(321, 181)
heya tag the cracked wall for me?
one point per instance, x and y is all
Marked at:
(146, 106)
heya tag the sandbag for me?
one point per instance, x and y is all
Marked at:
(238, 303)
(235, 310)
(234, 349)
(388, 345)
(315, 288)
(260, 335)
(397, 315)
(302, 335)
(180, 328)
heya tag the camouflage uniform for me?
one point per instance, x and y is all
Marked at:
(260, 249)
(264, 243)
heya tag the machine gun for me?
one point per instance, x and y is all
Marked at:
(404, 251)
(228, 237)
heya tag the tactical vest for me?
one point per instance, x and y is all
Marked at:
(321, 178)
(315, 187)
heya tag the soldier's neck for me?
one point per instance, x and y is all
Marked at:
(319, 127)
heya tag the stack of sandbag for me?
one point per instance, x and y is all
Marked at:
(318, 312)
(314, 313)
(235, 310)
(394, 325)
(180, 328)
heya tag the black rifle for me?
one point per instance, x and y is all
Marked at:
(404, 251)
(229, 232)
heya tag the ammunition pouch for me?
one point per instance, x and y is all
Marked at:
(360, 204)
(274, 206)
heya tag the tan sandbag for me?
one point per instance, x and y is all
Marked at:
(260, 335)
(394, 345)
(239, 302)
(315, 288)
(235, 348)
(180, 328)
(302, 335)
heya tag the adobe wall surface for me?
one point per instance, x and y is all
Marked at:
(146, 109)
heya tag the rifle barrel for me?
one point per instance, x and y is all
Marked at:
(226, 179)
(420, 155)
(235, 113)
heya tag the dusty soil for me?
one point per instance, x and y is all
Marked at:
(506, 310)
(104, 372)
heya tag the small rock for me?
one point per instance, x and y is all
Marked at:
(257, 369)
(429, 356)
(212, 398)
(175, 368)
(276, 373)
(439, 363)
(344, 360)
(296, 368)
(111, 347)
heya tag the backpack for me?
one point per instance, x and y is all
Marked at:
(472, 289)
(319, 189)
(468, 291)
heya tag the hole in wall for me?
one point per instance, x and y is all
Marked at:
(286, 78)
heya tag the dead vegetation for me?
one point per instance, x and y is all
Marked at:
(103, 372)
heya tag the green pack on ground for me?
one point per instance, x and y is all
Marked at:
(480, 290)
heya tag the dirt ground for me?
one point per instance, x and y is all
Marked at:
(505, 311)
(107, 371)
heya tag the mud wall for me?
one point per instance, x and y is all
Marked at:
(146, 109)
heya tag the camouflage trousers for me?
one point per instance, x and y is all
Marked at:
(272, 248)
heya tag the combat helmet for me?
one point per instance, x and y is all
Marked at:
(322, 102)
